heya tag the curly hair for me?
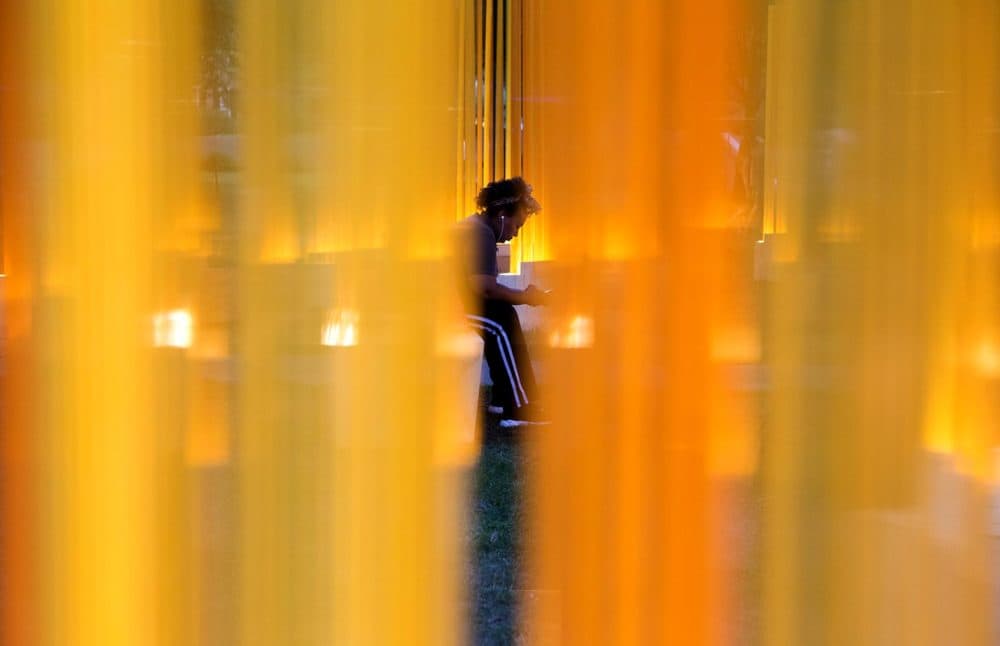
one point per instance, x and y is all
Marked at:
(502, 194)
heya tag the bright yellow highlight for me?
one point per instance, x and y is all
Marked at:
(173, 329)
(342, 329)
(578, 333)
(987, 358)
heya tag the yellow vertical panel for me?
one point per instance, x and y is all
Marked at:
(508, 140)
(772, 105)
(180, 227)
(269, 69)
(515, 86)
(468, 175)
(982, 242)
(783, 602)
(478, 79)
(101, 70)
(488, 82)
(282, 459)
(501, 144)
(875, 453)
(351, 460)
(533, 64)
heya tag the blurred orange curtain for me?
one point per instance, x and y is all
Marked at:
(881, 416)
(625, 113)
(94, 548)
(18, 496)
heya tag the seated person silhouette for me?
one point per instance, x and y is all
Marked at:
(505, 206)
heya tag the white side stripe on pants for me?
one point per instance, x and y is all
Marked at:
(510, 350)
(503, 343)
(503, 357)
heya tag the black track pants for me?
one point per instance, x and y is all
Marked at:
(506, 354)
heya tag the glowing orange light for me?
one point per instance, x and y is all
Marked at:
(579, 333)
(987, 359)
(173, 329)
(735, 344)
(341, 330)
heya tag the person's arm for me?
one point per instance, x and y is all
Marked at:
(488, 287)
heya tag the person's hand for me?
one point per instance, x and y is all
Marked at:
(535, 297)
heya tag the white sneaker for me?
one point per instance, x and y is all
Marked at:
(518, 423)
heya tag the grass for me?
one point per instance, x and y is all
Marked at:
(496, 541)
(495, 535)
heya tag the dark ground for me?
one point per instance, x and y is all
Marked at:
(494, 535)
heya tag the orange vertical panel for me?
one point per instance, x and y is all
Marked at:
(17, 589)
(624, 143)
